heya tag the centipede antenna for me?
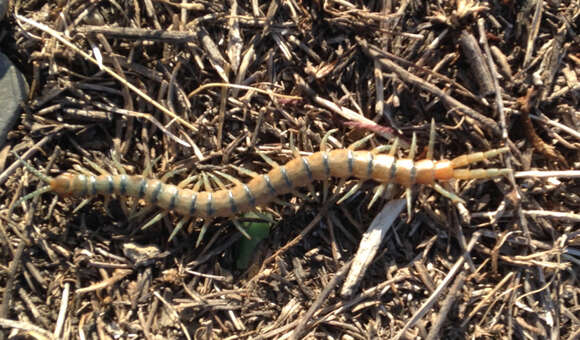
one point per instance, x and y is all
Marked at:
(448, 194)
(241, 229)
(268, 160)
(324, 139)
(379, 190)
(394, 147)
(33, 194)
(154, 220)
(177, 228)
(413, 150)
(431, 140)
(34, 171)
(360, 142)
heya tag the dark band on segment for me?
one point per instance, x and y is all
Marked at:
(123, 185)
(84, 185)
(192, 204)
(233, 206)
(307, 168)
(156, 191)
(93, 181)
(210, 209)
(249, 195)
(286, 178)
(413, 174)
(142, 187)
(371, 165)
(111, 184)
(173, 199)
(269, 184)
(393, 171)
(350, 161)
(325, 163)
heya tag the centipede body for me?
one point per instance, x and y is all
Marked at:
(298, 172)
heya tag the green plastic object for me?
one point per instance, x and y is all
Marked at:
(246, 248)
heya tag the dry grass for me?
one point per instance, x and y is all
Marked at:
(205, 86)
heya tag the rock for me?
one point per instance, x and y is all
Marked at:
(13, 91)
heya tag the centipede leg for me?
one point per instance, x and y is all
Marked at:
(218, 181)
(82, 205)
(117, 164)
(413, 149)
(241, 229)
(172, 173)
(268, 160)
(202, 232)
(177, 228)
(394, 147)
(246, 172)
(379, 190)
(351, 192)
(97, 167)
(431, 145)
(324, 139)
(154, 220)
(232, 179)
(360, 142)
(448, 194)
(380, 148)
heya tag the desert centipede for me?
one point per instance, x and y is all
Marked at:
(298, 172)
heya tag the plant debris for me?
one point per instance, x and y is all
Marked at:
(202, 93)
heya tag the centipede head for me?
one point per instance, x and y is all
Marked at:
(62, 185)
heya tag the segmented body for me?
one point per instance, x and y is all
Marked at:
(299, 172)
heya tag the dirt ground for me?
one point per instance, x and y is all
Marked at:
(208, 93)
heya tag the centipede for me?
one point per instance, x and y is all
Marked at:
(301, 171)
